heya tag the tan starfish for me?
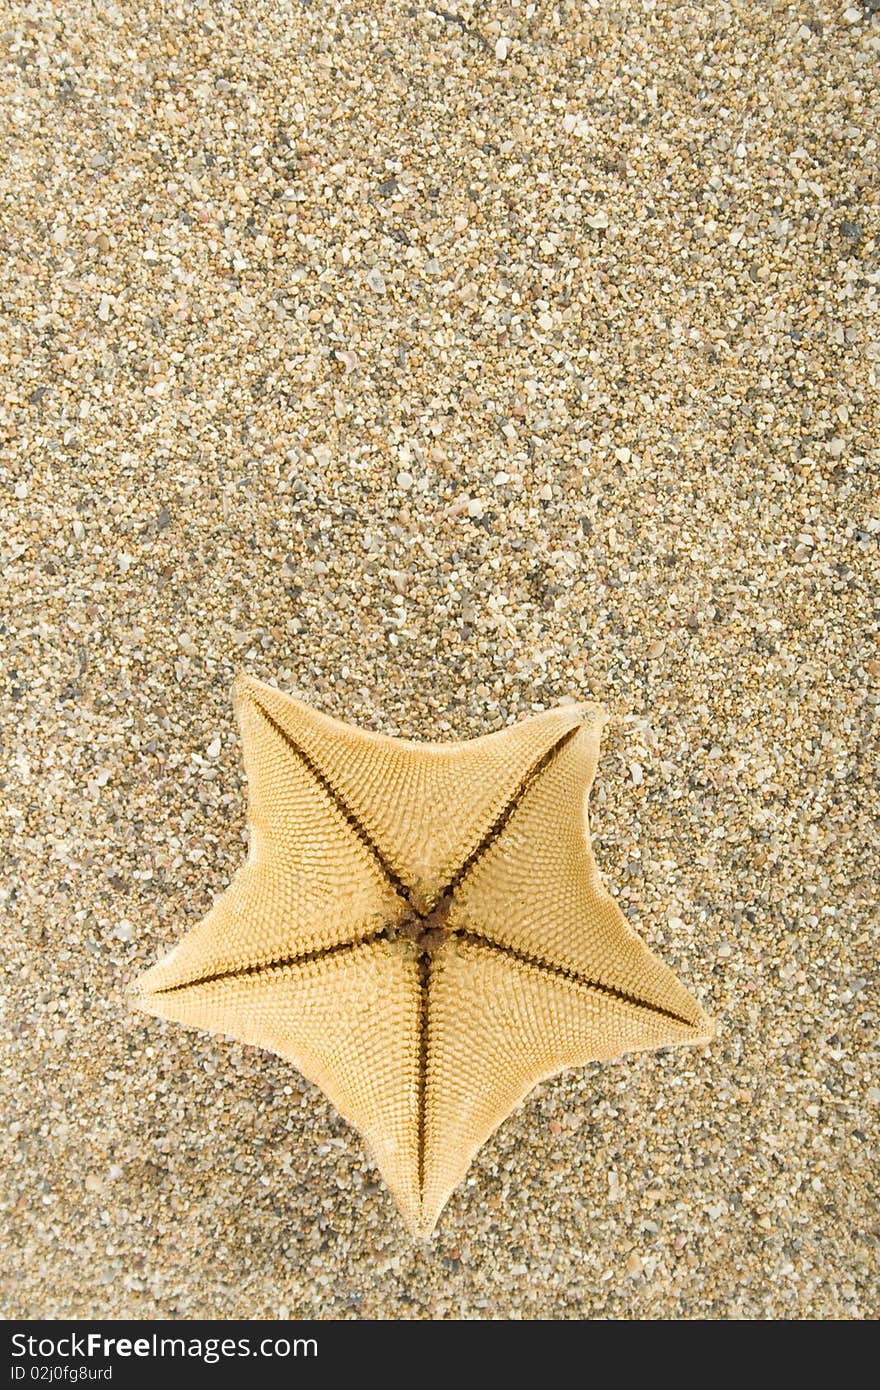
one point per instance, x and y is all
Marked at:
(421, 930)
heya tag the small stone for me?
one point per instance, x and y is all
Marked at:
(475, 508)
(502, 48)
(635, 1265)
(598, 221)
(656, 649)
(622, 454)
(79, 530)
(213, 748)
(546, 493)
(348, 359)
(376, 280)
(20, 490)
(404, 480)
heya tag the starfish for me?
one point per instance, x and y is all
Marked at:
(421, 930)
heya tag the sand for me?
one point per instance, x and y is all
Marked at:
(439, 364)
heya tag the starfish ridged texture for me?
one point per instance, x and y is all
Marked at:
(421, 930)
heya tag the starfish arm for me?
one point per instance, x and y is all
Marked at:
(309, 882)
(536, 892)
(497, 1027)
(349, 1021)
(423, 807)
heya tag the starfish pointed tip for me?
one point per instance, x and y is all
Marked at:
(144, 987)
(244, 684)
(707, 1030)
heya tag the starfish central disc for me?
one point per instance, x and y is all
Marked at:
(427, 929)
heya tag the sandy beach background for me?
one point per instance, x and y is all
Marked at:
(440, 362)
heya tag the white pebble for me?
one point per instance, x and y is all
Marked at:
(502, 48)
(376, 280)
(213, 748)
(404, 480)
